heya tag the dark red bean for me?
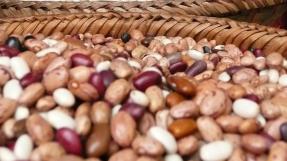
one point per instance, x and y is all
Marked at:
(258, 52)
(81, 59)
(283, 131)
(215, 60)
(252, 97)
(108, 77)
(30, 78)
(11, 145)
(196, 68)
(135, 110)
(174, 58)
(8, 51)
(270, 139)
(146, 79)
(70, 140)
(146, 41)
(233, 69)
(97, 81)
(177, 67)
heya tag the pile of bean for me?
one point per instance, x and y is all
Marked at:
(93, 98)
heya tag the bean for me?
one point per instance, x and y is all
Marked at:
(30, 78)
(83, 124)
(8, 51)
(146, 122)
(23, 147)
(229, 123)
(6, 154)
(233, 69)
(14, 42)
(146, 79)
(278, 152)
(45, 103)
(121, 68)
(81, 60)
(274, 59)
(174, 58)
(210, 151)
(272, 128)
(182, 85)
(173, 99)
(59, 119)
(196, 68)
(12, 89)
(254, 143)
(69, 140)
(80, 73)
(144, 145)
(173, 157)
(64, 97)
(207, 124)
(108, 77)
(139, 98)
(182, 127)
(239, 107)
(121, 87)
(100, 112)
(156, 98)
(31, 94)
(19, 67)
(56, 78)
(283, 131)
(99, 140)
(19, 127)
(184, 109)
(47, 151)
(8, 107)
(163, 118)
(187, 145)
(125, 154)
(135, 110)
(177, 67)
(252, 97)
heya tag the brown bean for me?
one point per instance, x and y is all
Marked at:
(100, 112)
(45, 103)
(31, 94)
(124, 155)
(146, 122)
(47, 151)
(19, 127)
(229, 123)
(39, 129)
(187, 145)
(249, 126)
(269, 109)
(208, 129)
(173, 99)
(80, 74)
(7, 108)
(156, 98)
(84, 91)
(121, 87)
(278, 152)
(236, 91)
(182, 85)
(99, 140)
(182, 127)
(83, 109)
(56, 78)
(123, 129)
(83, 124)
(121, 68)
(42, 63)
(144, 145)
(254, 143)
(29, 57)
(185, 109)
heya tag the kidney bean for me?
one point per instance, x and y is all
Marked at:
(107, 76)
(56, 78)
(278, 152)
(31, 94)
(100, 112)
(144, 145)
(177, 67)
(81, 60)
(99, 140)
(80, 73)
(69, 140)
(254, 143)
(8, 51)
(8, 107)
(206, 125)
(236, 91)
(47, 151)
(174, 58)
(97, 81)
(121, 87)
(272, 128)
(83, 91)
(233, 69)
(210, 151)
(229, 123)
(125, 154)
(182, 85)
(135, 110)
(83, 124)
(155, 95)
(121, 68)
(30, 78)
(173, 99)
(187, 145)
(258, 52)
(146, 122)
(45, 103)
(237, 155)
(182, 127)
(274, 59)
(196, 68)
(146, 79)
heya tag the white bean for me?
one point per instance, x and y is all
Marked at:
(224, 77)
(283, 80)
(102, 66)
(116, 109)
(6, 154)
(139, 97)
(7, 128)
(164, 137)
(273, 76)
(173, 157)
(23, 147)
(5, 61)
(50, 42)
(64, 97)
(216, 151)
(22, 112)
(59, 119)
(12, 89)
(46, 51)
(197, 55)
(245, 108)
(134, 64)
(19, 67)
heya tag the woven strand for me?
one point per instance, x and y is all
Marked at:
(14, 8)
(223, 30)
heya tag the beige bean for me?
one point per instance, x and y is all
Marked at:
(124, 155)
(247, 59)
(139, 52)
(7, 108)
(187, 145)
(184, 109)
(83, 124)
(260, 63)
(56, 78)
(249, 126)
(205, 125)
(121, 68)
(45, 103)
(123, 129)
(31, 94)
(244, 75)
(42, 63)
(272, 128)
(84, 91)
(163, 118)
(278, 152)
(144, 145)
(236, 91)
(121, 87)
(47, 151)
(83, 109)
(29, 57)
(274, 59)
(7, 128)
(235, 139)
(100, 112)
(39, 129)
(80, 74)
(254, 143)
(237, 155)
(146, 122)
(269, 109)
(229, 123)
(157, 100)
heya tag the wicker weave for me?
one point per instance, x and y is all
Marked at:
(245, 35)
(11, 8)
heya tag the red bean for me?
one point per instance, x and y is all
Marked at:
(11, 145)
(215, 60)
(196, 68)
(81, 59)
(69, 140)
(258, 52)
(174, 58)
(8, 51)
(30, 78)
(108, 77)
(252, 97)
(97, 81)
(269, 138)
(146, 79)
(283, 131)
(135, 110)
(233, 69)
(177, 67)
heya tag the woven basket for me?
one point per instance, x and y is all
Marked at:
(224, 31)
(247, 10)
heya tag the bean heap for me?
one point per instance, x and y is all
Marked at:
(89, 97)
